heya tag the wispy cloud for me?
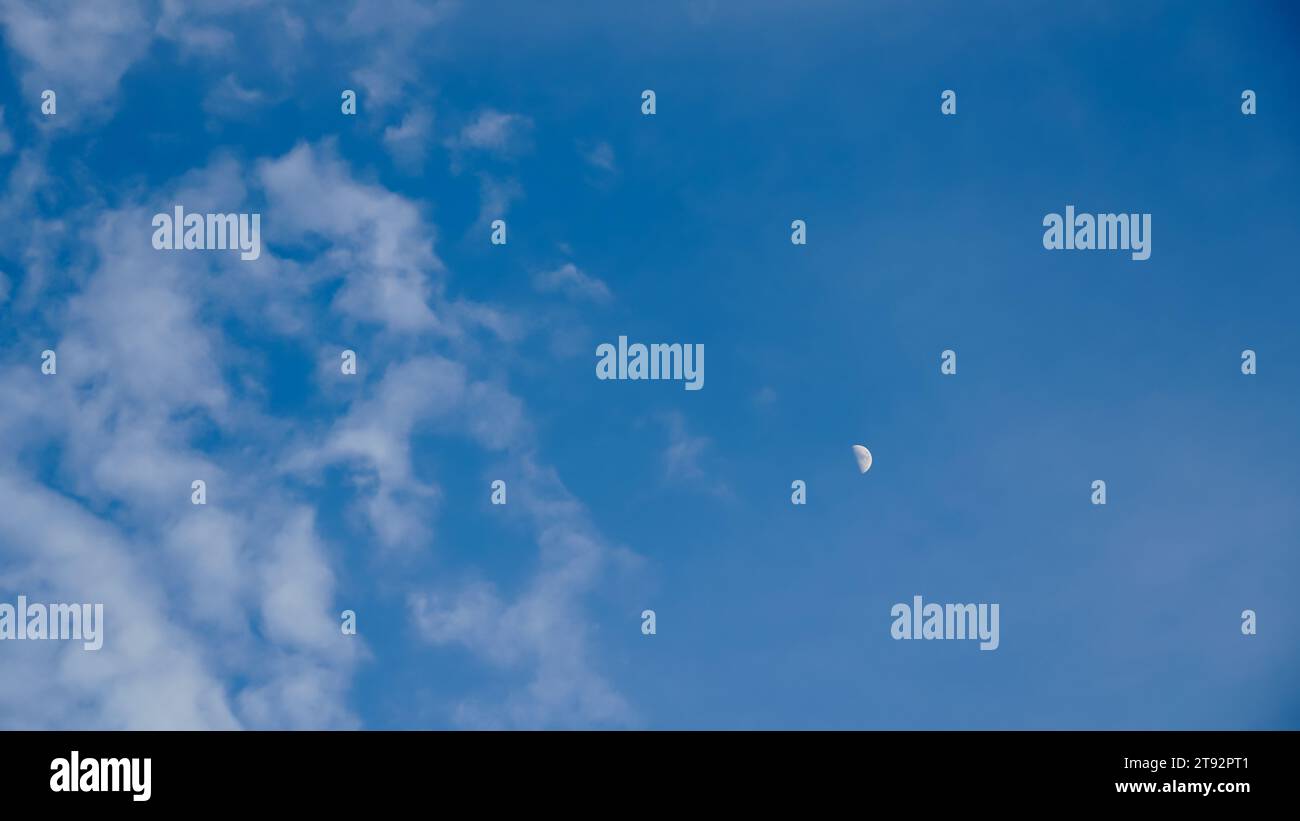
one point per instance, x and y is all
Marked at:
(573, 283)
(231, 100)
(234, 619)
(494, 132)
(6, 139)
(601, 156)
(542, 632)
(218, 601)
(495, 198)
(408, 143)
(383, 246)
(681, 457)
(77, 50)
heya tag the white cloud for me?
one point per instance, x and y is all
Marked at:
(149, 674)
(176, 22)
(6, 139)
(682, 455)
(197, 598)
(495, 132)
(495, 199)
(394, 35)
(230, 99)
(542, 632)
(765, 395)
(79, 50)
(226, 615)
(397, 18)
(423, 393)
(572, 282)
(297, 588)
(408, 143)
(381, 243)
(270, 36)
(601, 156)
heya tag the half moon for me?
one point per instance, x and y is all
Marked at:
(864, 458)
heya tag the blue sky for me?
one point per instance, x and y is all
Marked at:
(371, 492)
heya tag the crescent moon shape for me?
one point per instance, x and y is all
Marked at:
(864, 458)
